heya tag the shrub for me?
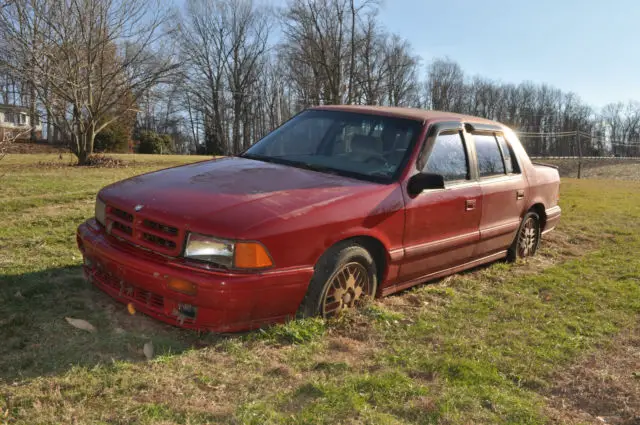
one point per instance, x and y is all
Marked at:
(104, 162)
(154, 143)
(114, 138)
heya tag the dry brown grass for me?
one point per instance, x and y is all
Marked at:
(605, 168)
(602, 387)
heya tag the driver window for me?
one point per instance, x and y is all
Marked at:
(448, 157)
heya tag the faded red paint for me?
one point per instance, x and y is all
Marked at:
(297, 215)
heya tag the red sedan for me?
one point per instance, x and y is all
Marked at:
(339, 203)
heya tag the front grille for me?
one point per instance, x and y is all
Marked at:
(157, 240)
(169, 230)
(123, 228)
(150, 299)
(122, 214)
(143, 231)
(156, 303)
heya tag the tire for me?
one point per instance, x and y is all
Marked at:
(344, 275)
(527, 239)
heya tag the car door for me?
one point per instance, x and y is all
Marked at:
(504, 191)
(442, 225)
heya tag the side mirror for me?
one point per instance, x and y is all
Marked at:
(424, 181)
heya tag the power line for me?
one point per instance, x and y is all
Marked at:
(580, 133)
(559, 133)
(572, 134)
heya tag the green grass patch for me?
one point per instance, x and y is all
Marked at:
(478, 347)
(295, 331)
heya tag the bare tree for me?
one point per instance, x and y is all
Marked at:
(224, 44)
(402, 73)
(622, 124)
(202, 38)
(372, 64)
(86, 59)
(249, 30)
(235, 85)
(316, 37)
(9, 137)
(445, 85)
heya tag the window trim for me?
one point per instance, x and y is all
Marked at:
(468, 131)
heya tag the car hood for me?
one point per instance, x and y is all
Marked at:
(230, 196)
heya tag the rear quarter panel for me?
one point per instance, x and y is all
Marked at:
(543, 181)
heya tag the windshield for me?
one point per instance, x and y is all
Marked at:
(369, 147)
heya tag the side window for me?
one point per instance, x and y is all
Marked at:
(509, 161)
(489, 155)
(448, 157)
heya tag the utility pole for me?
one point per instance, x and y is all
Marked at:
(278, 108)
(579, 153)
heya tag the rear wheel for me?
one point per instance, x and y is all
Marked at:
(527, 239)
(343, 277)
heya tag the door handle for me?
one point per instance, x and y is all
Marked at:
(519, 194)
(470, 204)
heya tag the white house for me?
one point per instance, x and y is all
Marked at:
(15, 120)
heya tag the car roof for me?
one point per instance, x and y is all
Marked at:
(410, 113)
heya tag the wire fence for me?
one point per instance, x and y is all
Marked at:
(577, 145)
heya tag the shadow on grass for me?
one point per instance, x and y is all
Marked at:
(35, 338)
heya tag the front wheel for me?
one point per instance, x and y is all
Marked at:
(527, 239)
(343, 277)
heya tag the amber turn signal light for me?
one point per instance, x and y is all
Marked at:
(251, 255)
(183, 286)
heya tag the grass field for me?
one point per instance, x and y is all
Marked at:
(603, 168)
(551, 340)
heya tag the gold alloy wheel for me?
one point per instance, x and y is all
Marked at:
(348, 286)
(528, 238)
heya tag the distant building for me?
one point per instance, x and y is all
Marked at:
(15, 120)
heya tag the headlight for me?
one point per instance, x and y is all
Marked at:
(101, 211)
(230, 254)
(212, 250)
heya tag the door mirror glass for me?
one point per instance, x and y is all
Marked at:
(424, 181)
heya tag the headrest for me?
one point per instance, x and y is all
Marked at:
(364, 143)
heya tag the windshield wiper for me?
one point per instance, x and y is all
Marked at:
(259, 158)
(315, 167)
(297, 164)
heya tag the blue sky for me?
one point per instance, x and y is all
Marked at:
(590, 47)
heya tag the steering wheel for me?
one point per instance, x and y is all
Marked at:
(379, 158)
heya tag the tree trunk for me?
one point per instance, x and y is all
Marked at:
(352, 59)
(50, 138)
(85, 146)
(237, 117)
(32, 112)
(82, 157)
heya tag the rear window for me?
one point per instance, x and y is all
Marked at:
(489, 155)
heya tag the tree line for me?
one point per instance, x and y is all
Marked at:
(217, 75)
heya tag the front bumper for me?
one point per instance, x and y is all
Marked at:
(225, 302)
